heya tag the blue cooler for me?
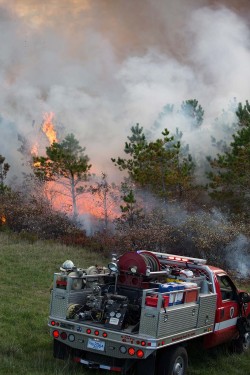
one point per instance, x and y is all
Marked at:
(174, 298)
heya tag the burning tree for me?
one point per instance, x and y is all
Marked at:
(67, 165)
(107, 196)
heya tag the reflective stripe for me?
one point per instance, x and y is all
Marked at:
(225, 324)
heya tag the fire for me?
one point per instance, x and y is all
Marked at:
(48, 127)
(34, 149)
(37, 164)
(3, 219)
(87, 204)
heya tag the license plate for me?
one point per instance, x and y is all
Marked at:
(96, 344)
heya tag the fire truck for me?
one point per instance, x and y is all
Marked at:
(140, 313)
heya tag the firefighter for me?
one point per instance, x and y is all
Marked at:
(66, 268)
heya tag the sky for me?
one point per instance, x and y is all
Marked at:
(102, 66)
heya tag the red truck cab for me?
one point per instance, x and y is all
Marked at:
(231, 310)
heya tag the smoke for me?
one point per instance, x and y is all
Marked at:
(101, 66)
(238, 256)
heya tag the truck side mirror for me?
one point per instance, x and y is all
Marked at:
(244, 297)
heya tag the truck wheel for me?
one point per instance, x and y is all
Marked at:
(246, 342)
(173, 361)
(60, 350)
(143, 366)
(242, 344)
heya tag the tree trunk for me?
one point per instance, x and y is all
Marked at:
(73, 195)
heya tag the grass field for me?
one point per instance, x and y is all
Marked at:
(25, 345)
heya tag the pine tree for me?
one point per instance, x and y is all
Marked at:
(230, 175)
(106, 198)
(193, 110)
(157, 165)
(67, 164)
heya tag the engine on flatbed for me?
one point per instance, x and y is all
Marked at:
(112, 296)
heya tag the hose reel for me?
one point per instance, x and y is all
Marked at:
(138, 262)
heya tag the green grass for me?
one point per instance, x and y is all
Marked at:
(25, 345)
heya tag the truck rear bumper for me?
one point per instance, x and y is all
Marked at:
(96, 366)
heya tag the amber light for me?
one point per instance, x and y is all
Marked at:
(88, 331)
(140, 353)
(131, 351)
(56, 334)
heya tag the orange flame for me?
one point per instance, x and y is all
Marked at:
(87, 203)
(37, 164)
(34, 149)
(3, 219)
(48, 127)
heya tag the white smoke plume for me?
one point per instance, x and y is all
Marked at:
(102, 66)
(238, 256)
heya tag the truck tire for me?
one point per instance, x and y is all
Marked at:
(60, 350)
(173, 361)
(143, 366)
(242, 344)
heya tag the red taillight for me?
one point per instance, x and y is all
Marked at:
(56, 334)
(53, 323)
(63, 336)
(140, 353)
(88, 331)
(105, 334)
(96, 333)
(143, 343)
(131, 351)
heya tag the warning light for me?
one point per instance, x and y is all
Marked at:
(131, 351)
(56, 334)
(139, 353)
